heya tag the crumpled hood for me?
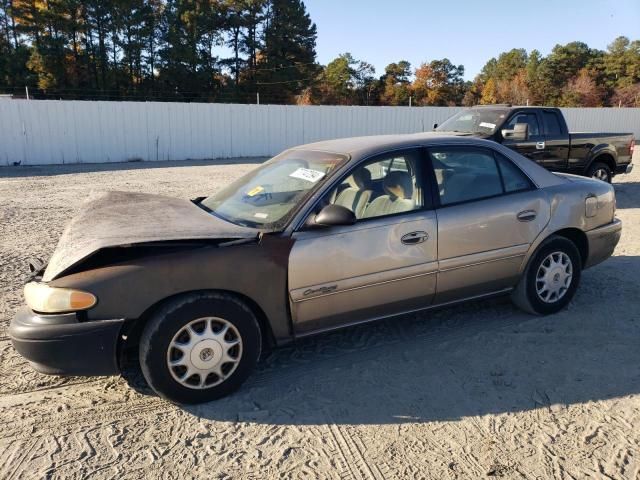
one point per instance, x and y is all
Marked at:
(111, 219)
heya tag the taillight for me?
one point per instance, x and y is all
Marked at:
(632, 145)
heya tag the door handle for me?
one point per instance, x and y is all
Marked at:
(540, 145)
(527, 215)
(414, 238)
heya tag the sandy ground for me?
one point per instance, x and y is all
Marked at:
(480, 390)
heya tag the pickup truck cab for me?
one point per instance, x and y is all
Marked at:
(541, 134)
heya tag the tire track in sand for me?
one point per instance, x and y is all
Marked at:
(351, 454)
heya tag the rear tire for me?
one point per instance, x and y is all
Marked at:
(551, 278)
(600, 171)
(199, 347)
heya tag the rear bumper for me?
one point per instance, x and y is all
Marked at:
(602, 242)
(626, 168)
(61, 345)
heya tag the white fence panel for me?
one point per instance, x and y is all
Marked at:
(603, 119)
(12, 141)
(55, 132)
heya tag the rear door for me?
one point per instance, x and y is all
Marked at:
(489, 215)
(556, 141)
(384, 264)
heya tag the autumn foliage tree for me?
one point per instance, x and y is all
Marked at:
(628, 96)
(582, 91)
(571, 75)
(489, 92)
(439, 83)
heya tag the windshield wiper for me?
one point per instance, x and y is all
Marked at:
(463, 133)
(198, 203)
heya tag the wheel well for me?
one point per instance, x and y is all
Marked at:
(133, 328)
(607, 159)
(579, 239)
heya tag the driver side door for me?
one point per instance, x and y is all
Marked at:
(384, 264)
(534, 146)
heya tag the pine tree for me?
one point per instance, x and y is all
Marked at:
(395, 84)
(189, 28)
(287, 63)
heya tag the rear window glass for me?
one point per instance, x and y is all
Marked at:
(552, 124)
(513, 178)
(465, 174)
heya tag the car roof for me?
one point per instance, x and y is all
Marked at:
(364, 146)
(358, 148)
(512, 107)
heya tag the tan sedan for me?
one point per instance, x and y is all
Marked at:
(322, 236)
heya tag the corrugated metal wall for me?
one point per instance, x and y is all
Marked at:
(54, 132)
(603, 119)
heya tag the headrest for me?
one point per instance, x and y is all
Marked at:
(398, 179)
(362, 177)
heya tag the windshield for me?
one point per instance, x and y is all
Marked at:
(476, 120)
(267, 196)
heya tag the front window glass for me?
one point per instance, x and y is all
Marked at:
(529, 118)
(383, 187)
(474, 121)
(266, 197)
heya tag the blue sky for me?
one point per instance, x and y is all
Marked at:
(467, 32)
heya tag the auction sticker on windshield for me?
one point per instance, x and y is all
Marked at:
(487, 125)
(253, 192)
(307, 174)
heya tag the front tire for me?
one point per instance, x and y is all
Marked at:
(551, 278)
(199, 347)
(600, 171)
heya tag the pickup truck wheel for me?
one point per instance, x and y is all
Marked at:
(551, 278)
(600, 171)
(199, 347)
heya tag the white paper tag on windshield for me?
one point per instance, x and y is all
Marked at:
(307, 174)
(261, 215)
(487, 125)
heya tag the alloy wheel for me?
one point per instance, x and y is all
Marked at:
(554, 277)
(601, 174)
(204, 353)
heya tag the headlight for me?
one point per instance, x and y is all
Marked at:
(42, 298)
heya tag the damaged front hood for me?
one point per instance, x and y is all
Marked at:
(111, 219)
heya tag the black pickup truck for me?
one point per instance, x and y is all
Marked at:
(541, 134)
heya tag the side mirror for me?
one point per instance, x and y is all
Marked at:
(520, 132)
(435, 125)
(335, 215)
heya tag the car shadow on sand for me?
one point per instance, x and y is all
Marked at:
(474, 359)
(627, 194)
(51, 170)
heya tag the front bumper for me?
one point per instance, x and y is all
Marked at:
(62, 345)
(602, 242)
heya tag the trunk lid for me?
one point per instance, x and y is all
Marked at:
(111, 219)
